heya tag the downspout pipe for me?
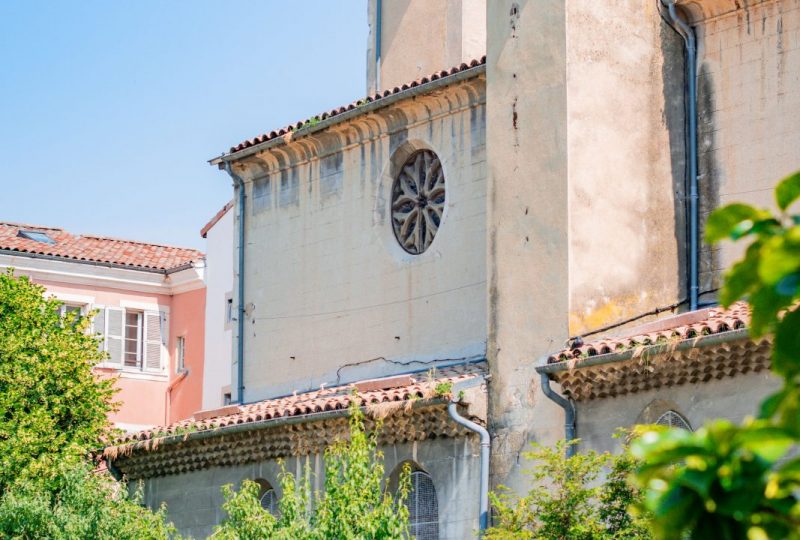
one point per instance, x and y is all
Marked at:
(690, 42)
(569, 412)
(486, 441)
(378, 52)
(239, 184)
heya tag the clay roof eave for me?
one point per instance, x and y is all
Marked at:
(551, 369)
(365, 108)
(110, 453)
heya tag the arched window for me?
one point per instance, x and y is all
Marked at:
(673, 420)
(267, 496)
(423, 510)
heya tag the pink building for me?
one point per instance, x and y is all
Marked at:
(149, 301)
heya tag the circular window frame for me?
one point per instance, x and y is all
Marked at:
(419, 196)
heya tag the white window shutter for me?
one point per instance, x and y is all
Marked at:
(99, 326)
(115, 327)
(153, 339)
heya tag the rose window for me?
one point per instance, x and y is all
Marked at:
(418, 201)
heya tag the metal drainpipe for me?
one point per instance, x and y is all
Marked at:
(687, 33)
(569, 412)
(378, 30)
(239, 183)
(486, 441)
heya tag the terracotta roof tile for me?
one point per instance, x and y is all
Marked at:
(686, 326)
(214, 220)
(327, 399)
(97, 249)
(369, 99)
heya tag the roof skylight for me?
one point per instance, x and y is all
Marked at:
(36, 236)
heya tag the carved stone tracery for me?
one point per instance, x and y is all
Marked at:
(418, 197)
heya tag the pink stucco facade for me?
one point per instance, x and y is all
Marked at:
(152, 397)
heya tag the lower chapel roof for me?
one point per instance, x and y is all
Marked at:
(296, 425)
(694, 347)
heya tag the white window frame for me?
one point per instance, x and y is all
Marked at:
(139, 340)
(140, 371)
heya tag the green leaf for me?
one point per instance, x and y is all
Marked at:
(787, 343)
(771, 405)
(766, 303)
(788, 190)
(742, 277)
(734, 220)
(779, 259)
(768, 442)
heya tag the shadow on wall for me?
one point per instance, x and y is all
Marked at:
(709, 180)
(674, 75)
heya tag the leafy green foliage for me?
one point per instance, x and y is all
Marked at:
(83, 505)
(52, 408)
(352, 506)
(727, 481)
(566, 502)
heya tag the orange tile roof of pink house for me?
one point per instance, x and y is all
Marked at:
(97, 249)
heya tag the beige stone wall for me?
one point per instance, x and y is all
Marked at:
(749, 108)
(194, 499)
(732, 398)
(334, 297)
(527, 250)
(626, 162)
(420, 37)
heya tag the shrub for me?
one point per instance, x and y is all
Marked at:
(567, 502)
(353, 505)
(84, 505)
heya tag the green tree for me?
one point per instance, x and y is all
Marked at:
(84, 505)
(728, 481)
(52, 407)
(353, 505)
(53, 413)
(566, 500)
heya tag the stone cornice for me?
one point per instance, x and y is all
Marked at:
(702, 10)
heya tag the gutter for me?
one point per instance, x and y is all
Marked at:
(32, 255)
(687, 33)
(469, 73)
(239, 185)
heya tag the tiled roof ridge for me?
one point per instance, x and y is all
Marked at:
(30, 226)
(718, 321)
(137, 242)
(309, 403)
(464, 66)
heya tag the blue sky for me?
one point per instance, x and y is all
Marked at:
(110, 110)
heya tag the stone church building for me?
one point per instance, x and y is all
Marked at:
(516, 210)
